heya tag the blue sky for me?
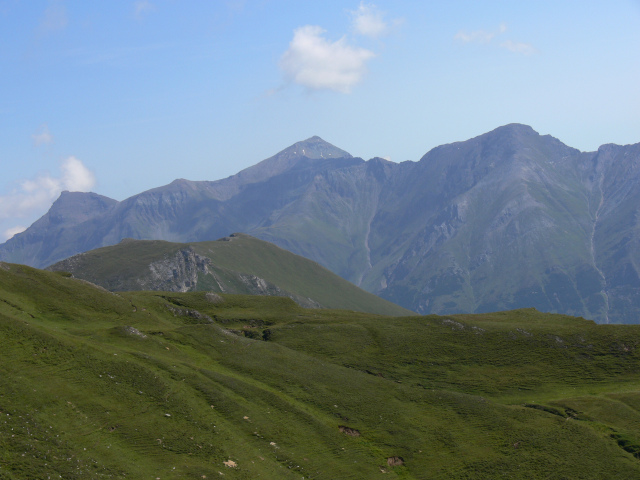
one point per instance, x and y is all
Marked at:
(121, 96)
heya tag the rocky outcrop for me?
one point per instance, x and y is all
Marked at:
(182, 272)
(259, 286)
(177, 273)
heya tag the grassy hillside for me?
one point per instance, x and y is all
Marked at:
(235, 262)
(294, 273)
(166, 385)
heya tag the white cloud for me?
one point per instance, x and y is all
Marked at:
(75, 176)
(319, 64)
(10, 232)
(518, 47)
(53, 20)
(369, 21)
(39, 193)
(43, 136)
(142, 7)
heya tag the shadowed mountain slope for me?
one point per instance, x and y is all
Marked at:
(508, 219)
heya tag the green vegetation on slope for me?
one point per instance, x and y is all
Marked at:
(194, 385)
(237, 264)
(295, 274)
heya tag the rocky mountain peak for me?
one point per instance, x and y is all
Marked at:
(76, 207)
(523, 136)
(314, 148)
(516, 128)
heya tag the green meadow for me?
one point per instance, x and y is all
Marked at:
(162, 385)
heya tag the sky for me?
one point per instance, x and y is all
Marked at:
(122, 96)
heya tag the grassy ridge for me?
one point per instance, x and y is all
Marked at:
(138, 385)
(294, 274)
(125, 266)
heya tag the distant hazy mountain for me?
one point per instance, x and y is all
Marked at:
(238, 264)
(505, 220)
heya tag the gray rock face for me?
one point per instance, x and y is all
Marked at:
(509, 219)
(178, 273)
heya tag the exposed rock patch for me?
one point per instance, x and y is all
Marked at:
(185, 312)
(214, 298)
(134, 331)
(453, 324)
(178, 273)
(352, 432)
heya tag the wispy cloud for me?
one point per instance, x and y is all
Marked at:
(317, 63)
(369, 21)
(487, 36)
(53, 20)
(142, 8)
(37, 194)
(42, 136)
(518, 47)
(479, 36)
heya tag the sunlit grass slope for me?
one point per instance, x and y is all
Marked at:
(194, 385)
(126, 265)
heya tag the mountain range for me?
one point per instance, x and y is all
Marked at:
(506, 220)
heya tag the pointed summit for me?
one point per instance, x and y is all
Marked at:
(72, 208)
(51, 237)
(515, 128)
(510, 134)
(314, 148)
